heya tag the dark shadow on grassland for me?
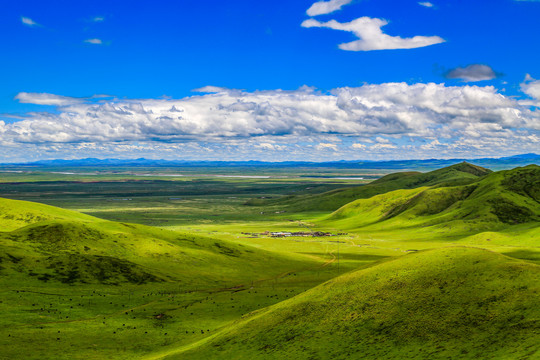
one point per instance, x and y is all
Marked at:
(529, 255)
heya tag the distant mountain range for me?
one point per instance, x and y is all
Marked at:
(426, 164)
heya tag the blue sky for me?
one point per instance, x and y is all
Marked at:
(414, 80)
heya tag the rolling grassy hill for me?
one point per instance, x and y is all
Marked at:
(51, 244)
(15, 214)
(77, 287)
(458, 174)
(496, 202)
(449, 303)
(73, 286)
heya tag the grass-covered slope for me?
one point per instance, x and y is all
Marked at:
(495, 202)
(449, 303)
(77, 287)
(458, 174)
(68, 247)
(15, 214)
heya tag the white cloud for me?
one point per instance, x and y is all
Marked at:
(377, 147)
(382, 140)
(266, 146)
(369, 110)
(46, 99)
(358, 146)
(371, 37)
(471, 73)
(210, 89)
(531, 87)
(432, 145)
(426, 4)
(98, 19)
(324, 146)
(463, 119)
(326, 7)
(94, 41)
(29, 22)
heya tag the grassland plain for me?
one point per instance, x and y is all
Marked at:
(76, 286)
(143, 197)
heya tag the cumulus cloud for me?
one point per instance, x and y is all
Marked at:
(463, 119)
(382, 140)
(382, 144)
(323, 146)
(358, 146)
(94, 41)
(531, 87)
(371, 37)
(29, 22)
(472, 73)
(266, 146)
(377, 147)
(371, 110)
(326, 7)
(432, 145)
(426, 4)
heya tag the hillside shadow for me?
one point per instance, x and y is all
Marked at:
(528, 255)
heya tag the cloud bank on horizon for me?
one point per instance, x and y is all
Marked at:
(370, 121)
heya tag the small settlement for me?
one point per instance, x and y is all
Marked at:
(289, 234)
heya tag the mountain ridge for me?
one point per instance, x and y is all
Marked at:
(507, 161)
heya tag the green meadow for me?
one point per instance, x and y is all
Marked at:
(153, 264)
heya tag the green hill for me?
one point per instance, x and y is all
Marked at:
(65, 246)
(450, 303)
(15, 214)
(458, 174)
(495, 202)
(77, 287)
